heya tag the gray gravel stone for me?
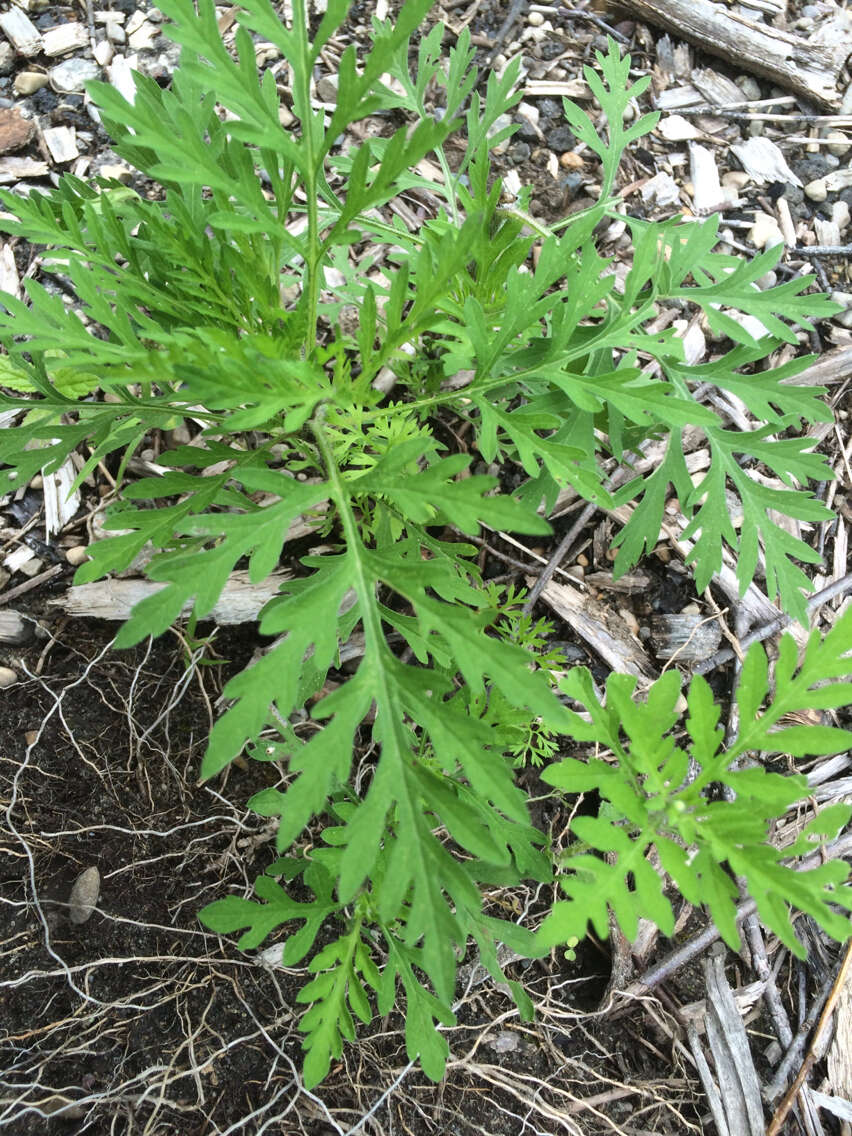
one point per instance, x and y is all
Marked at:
(73, 74)
(520, 152)
(810, 168)
(561, 139)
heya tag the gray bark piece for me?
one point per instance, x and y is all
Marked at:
(240, 601)
(812, 69)
(602, 629)
(731, 1051)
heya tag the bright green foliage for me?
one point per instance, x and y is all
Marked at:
(225, 302)
(655, 794)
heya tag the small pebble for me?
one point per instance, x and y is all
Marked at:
(117, 172)
(749, 86)
(77, 555)
(561, 139)
(816, 190)
(84, 895)
(7, 58)
(838, 143)
(8, 677)
(103, 53)
(28, 82)
(70, 76)
(765, 232)
(840, 214)
(536, 19)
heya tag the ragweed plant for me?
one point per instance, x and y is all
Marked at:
(228, 299)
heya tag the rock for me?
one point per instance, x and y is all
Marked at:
(116, 172)
(519, 152)
(561, 139)
(116, 33)
(8, 677)
(550, 108)
(77, 555)
(840, 214)
(103, 53)
(794, 193)
(816, 190)
(7, 58)
(15, 130)
(812, 167)
(844, 298)
(28, 82)
(327, 89)
(72, 75)
(84, 895)
(535, 19)
(838, 143)
(765, 231)
(500, 123)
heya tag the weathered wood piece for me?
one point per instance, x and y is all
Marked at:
(811, 69)
(240, 601)
(15, 628)
(25, 36)
(602, 629)
(685, 638)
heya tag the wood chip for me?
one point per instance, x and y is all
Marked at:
(567, 88)
(24, 35)
(59, 507)
(684, 638)
(240, 602)
(61, 141)
(14, 169)
(10, 281)
(15, 629)
(708, 194)
(763, 161)
(64, 38)
(603, 630)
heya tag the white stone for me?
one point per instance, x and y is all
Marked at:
(72, 75)
(8, 677)
(116, 33)
(84, 895)
(65, 38)
(536, 19)
(103, 53)
(765, 232)
(142, 39)
(838, 143)
(840, 214)
(28, 82)
(816, 190)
